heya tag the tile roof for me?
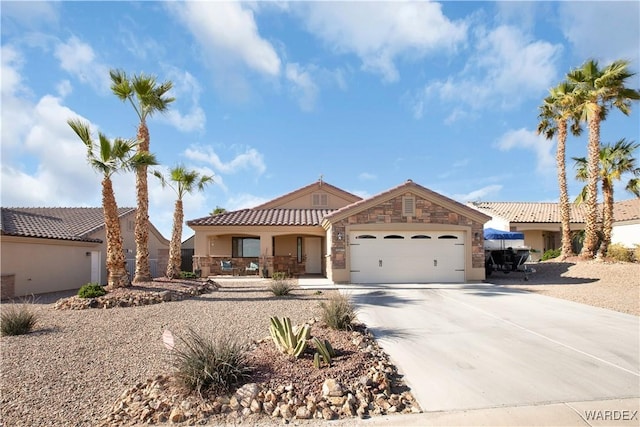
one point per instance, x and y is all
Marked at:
(535, 212)
(627, 210)
(271, 217)
(55, 223)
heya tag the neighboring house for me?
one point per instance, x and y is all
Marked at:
(55, 249)
(406, 234)
(540, 222)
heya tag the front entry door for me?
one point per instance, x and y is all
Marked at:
(313, 247)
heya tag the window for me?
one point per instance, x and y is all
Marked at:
(319, 200)
(393, 236)
(408, 206)
(448, 236)
(245, 247)
(420, 236)
(365, 236)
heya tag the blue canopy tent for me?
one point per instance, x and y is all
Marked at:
(493, 234)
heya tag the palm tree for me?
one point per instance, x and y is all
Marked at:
(615, 161)
(597, 91)
(218, 210)
(108, 158)
(555, 111)
(182, 181)
(147, 97)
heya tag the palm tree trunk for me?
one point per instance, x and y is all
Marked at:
(593, 173)
(117, 276)
(141, 232)
(607, 218)
(175, 256)
(565, 208)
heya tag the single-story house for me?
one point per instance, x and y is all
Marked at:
(540, 222)
(55, 249)
(405, 234)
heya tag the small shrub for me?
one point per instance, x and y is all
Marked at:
(619, 253)
(279, 275)
(550, 254)
(17, 319)
(281, 287)
(206, 364)
(636, 254)
(188, 275)
(338, 312)
(91, 290)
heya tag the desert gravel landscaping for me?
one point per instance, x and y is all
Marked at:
(611, 285)
(77, 364)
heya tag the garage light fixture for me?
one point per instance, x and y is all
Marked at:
(339, 235)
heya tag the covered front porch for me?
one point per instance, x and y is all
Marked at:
(243, 253)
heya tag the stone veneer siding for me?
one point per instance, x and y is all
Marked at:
(390, 212)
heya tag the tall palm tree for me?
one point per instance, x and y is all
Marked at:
(615, 161)
(108, 158)
(147, 97)
(555, 112)
(182, 181)
(597, 91)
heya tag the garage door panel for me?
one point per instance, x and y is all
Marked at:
(407, 257)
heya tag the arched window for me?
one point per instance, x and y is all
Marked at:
(420, 236)
(393, 236)
(365, 236)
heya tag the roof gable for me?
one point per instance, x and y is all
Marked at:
(55, 223)
(302, 198)
(408, 187)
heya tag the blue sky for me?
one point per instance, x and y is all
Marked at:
(272, 95)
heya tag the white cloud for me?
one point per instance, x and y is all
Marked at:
(79, 59)
(529, 140)
(617, 24)
(250, 159)
(479, 194)
(228, 32)
(304, 88)
(243, 201)
(15, 117)
(507, 68)
(64, 88)
(31, 14)
(380, 33)
(45, 180)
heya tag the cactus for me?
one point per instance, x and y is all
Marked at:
(288, 340)
(316, 360)
(325, 350)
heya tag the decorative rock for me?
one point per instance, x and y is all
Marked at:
(303, 413)
(285, 411)
(247, 393)
(331, 387)
(268, 407)
(234, 404)
(255, 406)
(328, 414)
(176, 416)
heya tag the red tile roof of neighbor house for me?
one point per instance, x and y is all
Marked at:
(626, 210)
(271, 217)
(55, 223)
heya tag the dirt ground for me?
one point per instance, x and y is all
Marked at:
(610, 285)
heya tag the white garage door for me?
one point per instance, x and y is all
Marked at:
(407, 257)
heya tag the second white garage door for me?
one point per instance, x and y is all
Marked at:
(407, 257)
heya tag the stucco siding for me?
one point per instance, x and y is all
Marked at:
(42, 265)
(627, 235)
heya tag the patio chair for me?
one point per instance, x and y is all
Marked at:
(226, 267)
(253, 268)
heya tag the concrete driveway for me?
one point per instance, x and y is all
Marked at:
(468, 347)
